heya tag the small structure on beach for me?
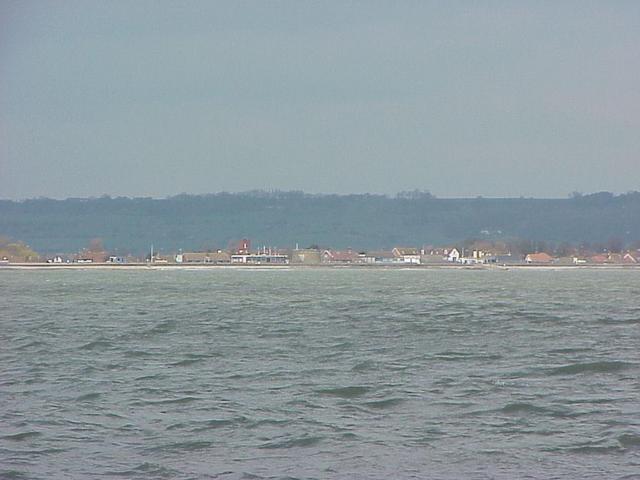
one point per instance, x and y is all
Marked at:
(260, 259)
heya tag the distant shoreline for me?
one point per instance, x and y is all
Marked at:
(174, 266)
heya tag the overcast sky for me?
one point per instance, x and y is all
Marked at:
(153, 98)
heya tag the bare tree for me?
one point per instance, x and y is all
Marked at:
(96, 245)
(615, 245)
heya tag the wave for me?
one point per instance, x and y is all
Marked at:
(155, 376)
(451, 354)
(148, 469)
(35, 343)
(345, 392)
(595, 401)
(96, 345)
(364, 366)
(454, 356)
(250, 476)
(591, 367)
(594, 449)
(602, 446)
(137, 353)
(166, 401)
(88, 397)
(341, 346)
(268, 421)
(189, 446)
(306, 441)
(384, 404)
(217, 423)
(629, 440)
(300, 403)
(162, 327)
(524, 408)
(186, 362)
(619, 321)
(11, 474)
(571, 350)
(22, 436)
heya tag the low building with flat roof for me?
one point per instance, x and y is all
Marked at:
(218, 257)
(260, 259)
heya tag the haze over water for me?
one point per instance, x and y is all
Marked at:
(319, 373)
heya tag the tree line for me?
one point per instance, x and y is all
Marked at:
(284, 219)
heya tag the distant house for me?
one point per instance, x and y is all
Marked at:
(599, 259)
(192, 257)
(630, 258)
(430, 258)
(564, 261)
(615, 258)
(479, 255)
(451, 254)
(484, 256)
(383, 257)
(538, 258)
(244, 246)
(470, 260)
(116, 259)
(344, 257)
(88, 256)
(56, 259)
(407, 255)
(431, 254)
(503, 259)
(482, 250)
(305, 256)
(219, 257)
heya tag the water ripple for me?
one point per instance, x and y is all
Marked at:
(319, 373)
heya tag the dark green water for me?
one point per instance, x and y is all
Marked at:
(320, 373)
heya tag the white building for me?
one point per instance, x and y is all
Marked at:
(260, 259)
(452, 254)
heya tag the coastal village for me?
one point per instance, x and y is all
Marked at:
(479, 253)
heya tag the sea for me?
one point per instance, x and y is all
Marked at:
(320, 373)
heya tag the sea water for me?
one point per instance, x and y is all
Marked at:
(320, 373)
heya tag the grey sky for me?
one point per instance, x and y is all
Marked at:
(146, 98)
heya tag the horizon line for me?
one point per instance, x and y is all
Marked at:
(404, 194)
